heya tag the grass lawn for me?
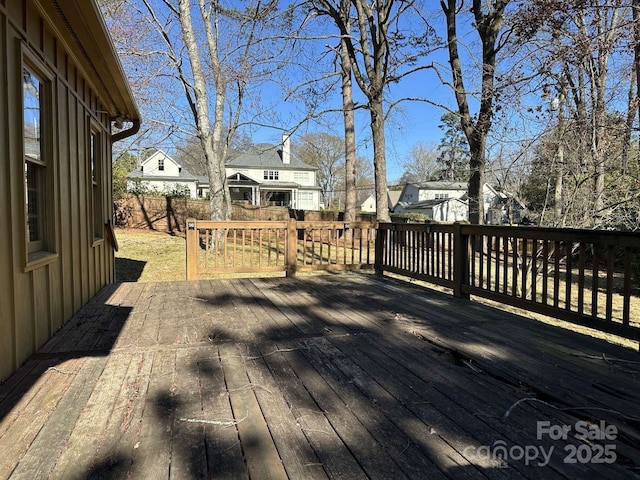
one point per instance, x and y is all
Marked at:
(148, 256)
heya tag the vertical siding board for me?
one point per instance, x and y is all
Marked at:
(83, 199)
(74, 221)
(108, 254)
(41, 310)
(64, 172)
(7, 326)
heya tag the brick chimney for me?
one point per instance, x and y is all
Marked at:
(286, 149)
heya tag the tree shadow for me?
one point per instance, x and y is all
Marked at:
(373, 377)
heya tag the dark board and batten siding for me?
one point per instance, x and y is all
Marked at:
(35, 302)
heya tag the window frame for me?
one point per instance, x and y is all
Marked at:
(96, 182)
(40, 252)
(301, 177)
(271, 175)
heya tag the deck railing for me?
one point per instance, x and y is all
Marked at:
(215, 248)
(582, 276)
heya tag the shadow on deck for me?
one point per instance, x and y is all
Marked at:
(327, 376)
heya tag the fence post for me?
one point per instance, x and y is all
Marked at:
(192, 249)
(378, 264)
(291, 252)
(461, 252)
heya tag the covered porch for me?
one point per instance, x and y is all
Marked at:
(323, 376)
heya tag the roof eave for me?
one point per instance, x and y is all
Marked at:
(87, 37)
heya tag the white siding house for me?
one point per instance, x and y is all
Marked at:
(448, 202)
(161, 173)
(264, 175)
(270, 175)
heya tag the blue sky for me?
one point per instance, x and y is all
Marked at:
(408, 124)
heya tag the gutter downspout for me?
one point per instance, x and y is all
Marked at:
(126, 133)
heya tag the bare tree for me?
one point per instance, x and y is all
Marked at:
(421, 164)
(585, 54)
(371, 37)
(325, 152)
(487, 22)
(215, 53)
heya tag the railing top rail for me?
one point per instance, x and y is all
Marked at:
(418, 227)
(240, 224)
(602, 237)
(335, 225)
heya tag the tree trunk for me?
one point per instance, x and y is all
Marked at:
(210, 141)
(379, 159)
(476, 181)
(349, 132)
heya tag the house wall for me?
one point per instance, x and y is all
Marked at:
(165, 186)
(151, 166)
(369, 205)
(433, 194)
(410, 194)
(37, 297)
(285, 176)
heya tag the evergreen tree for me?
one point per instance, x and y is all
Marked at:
(453, 150)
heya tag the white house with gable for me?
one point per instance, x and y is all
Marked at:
(161, 173)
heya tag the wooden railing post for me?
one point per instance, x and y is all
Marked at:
(291, 253)
(192, 249)
(379, 250)
(461, 253)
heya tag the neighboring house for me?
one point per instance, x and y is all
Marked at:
(448, 202)
(419, 192)
(501, 208)
(271, 175)
(446, 210)
(161, 173)
(62, 89)
(369, 203)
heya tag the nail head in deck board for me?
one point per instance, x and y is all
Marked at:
(260, 452)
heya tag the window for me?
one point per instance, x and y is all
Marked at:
(38, 163)
(302, 177)
(95, 160)
(271, 175)
(35, 126)
(442, 196)
(161, 164)
(305, 199)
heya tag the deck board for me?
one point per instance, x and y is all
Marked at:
(327, 376)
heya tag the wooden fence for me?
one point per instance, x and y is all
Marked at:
(582, 276)
(290, 246)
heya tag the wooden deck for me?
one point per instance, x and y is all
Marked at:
(329, 376)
